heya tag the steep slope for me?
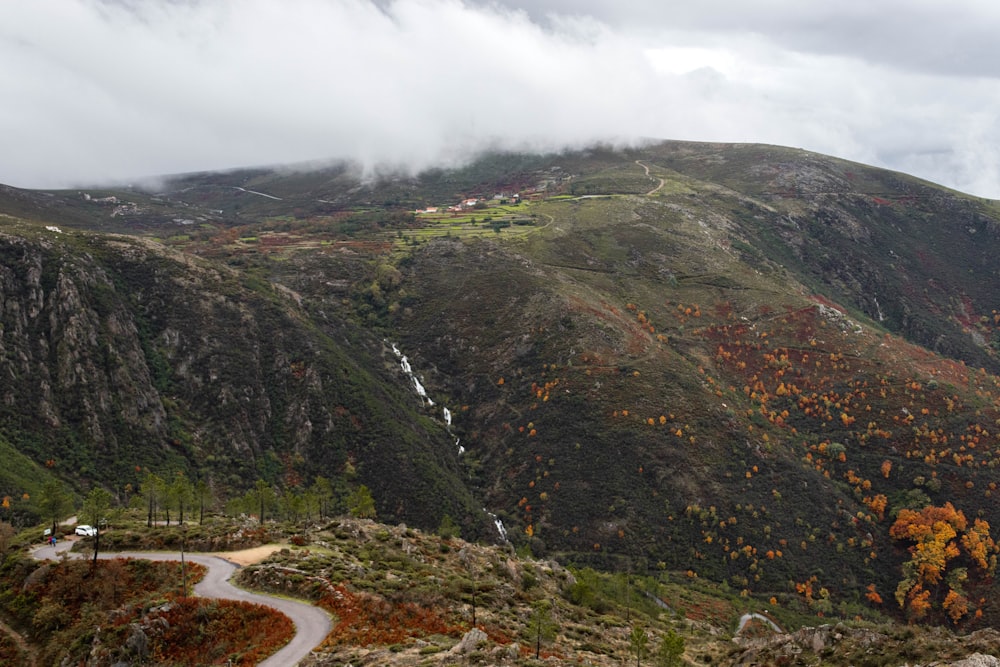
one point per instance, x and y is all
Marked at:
(910, 255)
(565, 358)
(648, 384)
(121, 355)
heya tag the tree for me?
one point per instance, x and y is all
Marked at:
(152, 492)
(203, 494)
(542, 625)
(181, 494)
(671, 650)
(310, 504)
(448, 528)
(293, 505)
(54, 503)
(263, 496)
(640, 642)
(95, 509)
(941, 538)
(360, 503)
(323, 489)
(234, 507)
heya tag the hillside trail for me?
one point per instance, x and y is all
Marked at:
(24, 647)
(746, 618)
(658, 187)
(312, 624)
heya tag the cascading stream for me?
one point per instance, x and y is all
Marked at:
(446, 416)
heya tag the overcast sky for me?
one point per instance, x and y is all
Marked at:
(119, 89)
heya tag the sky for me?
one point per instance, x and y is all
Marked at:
(118, 90)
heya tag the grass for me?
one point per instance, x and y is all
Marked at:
(508, 221)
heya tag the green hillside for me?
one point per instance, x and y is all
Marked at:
(745, 363)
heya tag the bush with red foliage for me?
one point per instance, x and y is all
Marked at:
(70, 605)
(214, 632)
(364, 619)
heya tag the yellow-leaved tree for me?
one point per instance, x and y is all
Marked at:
(944, 548)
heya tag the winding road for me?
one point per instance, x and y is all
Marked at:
(312, 624)
(661, 180)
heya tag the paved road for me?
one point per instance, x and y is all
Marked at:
(312, 624)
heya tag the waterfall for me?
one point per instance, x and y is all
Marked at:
(418, 387)
(499, 524)
(404, 363)
(881, 317)
(446, 416)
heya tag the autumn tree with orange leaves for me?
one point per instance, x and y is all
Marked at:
(944, 548)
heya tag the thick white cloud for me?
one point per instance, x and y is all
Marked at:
(956, 37)
(116, 90)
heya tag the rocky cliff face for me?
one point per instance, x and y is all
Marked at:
(119, 355)
(74, 373)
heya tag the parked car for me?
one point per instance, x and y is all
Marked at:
(85, 530)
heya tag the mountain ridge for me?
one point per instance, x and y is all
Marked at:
(687, 356)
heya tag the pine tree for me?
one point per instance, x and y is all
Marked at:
(95, 508)
(360, 503)
(671, 650)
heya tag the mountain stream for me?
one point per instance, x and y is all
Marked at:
(446, 417)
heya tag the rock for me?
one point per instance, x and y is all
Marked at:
(510, 652)
(985, 635)
(137, 643)
(818, 642)
(471, 641)
(808, 641)
(976, 660)
(513, 570)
